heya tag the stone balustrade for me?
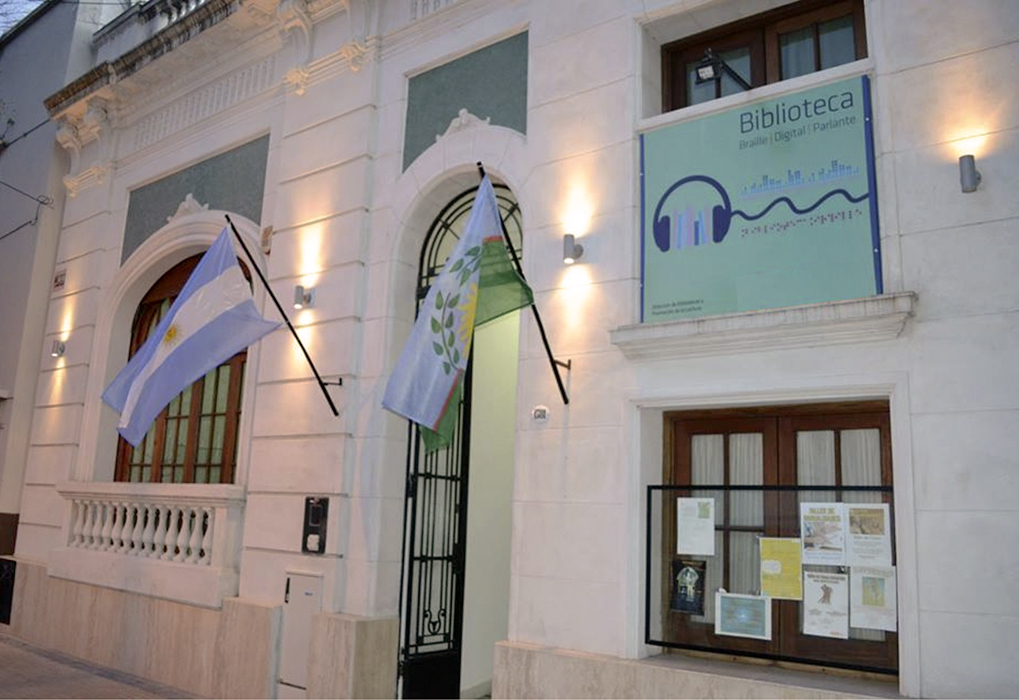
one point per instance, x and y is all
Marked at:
(154, 530)
(187, 534)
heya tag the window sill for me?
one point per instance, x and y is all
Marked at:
(174, 541)
(869, 319)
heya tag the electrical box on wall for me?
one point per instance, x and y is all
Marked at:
(316, 516)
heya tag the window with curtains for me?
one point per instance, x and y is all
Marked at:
(194, 439)
(758, 465)
(794, 40)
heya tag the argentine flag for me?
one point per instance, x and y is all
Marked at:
(213, 319)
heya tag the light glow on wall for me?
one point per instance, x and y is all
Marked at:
(576, 299)
(576, 216)
(976, 144)
(310, 258)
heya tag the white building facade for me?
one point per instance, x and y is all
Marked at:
(322, 555)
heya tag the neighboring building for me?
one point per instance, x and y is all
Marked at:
(38, 55)
(785, 295)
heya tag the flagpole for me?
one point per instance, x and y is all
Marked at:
(279, 307)
(555, 364)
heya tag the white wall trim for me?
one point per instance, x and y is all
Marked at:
(876, 318)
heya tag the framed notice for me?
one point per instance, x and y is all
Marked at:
(869, 540)
(872, 597)
(695, 526)
(781, 569)
(688, 580)
(771, 203)
(825, 604)
(742, 615)
(823, 532)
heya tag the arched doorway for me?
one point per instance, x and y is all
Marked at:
(455, 596)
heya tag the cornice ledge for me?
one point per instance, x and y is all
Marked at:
(164, 41)
(869, 319)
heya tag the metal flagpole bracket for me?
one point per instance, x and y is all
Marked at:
(279, 307)
(554, 363)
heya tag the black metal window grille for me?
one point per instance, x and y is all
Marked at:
(658, 553)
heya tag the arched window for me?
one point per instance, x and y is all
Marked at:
(194, 439)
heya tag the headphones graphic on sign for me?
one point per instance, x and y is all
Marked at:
(722, 214)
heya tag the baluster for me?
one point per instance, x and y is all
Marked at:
(126, 525)
(104, 543)
(92, 526)
(150, 527)
(116, 526)
(210, 516)
(185, 534)
(171, 533)
(100, 523)
(159, 537)
(198, 515)
(139, 527)
(79, 523)
(86, 525)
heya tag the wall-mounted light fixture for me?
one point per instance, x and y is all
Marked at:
(304, 297)
(712, 66)
(969, 176)
(572, 251)
(58, 348)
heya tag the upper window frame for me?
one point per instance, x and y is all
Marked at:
(761, 34)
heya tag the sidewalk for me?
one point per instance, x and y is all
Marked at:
(30, 672)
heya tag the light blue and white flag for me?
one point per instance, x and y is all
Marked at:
(478, 284)
(212, 319)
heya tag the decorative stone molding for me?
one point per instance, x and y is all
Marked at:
(94, 122)
(205, 102)
(831, 323)
(354, 52)
(67, 137)
(295, 27)
(462, 122)
(77, 130)
(189, 206)
(95, 175)
(298, 78)
(420, 9)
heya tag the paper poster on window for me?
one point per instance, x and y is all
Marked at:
(767, 204)
(870, 542)
(781, 570)
(695, 526)
(823, 532)
(872, 597)
(743, 615)
(825, 604)
(688, 579)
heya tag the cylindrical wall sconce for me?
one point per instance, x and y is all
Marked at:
(969, 176)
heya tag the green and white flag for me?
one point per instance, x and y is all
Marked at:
(478, 284)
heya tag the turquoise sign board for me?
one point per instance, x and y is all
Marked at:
(766, 205)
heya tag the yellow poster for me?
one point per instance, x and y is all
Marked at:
(782, 568)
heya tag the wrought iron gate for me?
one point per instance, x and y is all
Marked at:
(435, 505)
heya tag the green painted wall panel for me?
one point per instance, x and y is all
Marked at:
(491, 83)
(233, 181)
